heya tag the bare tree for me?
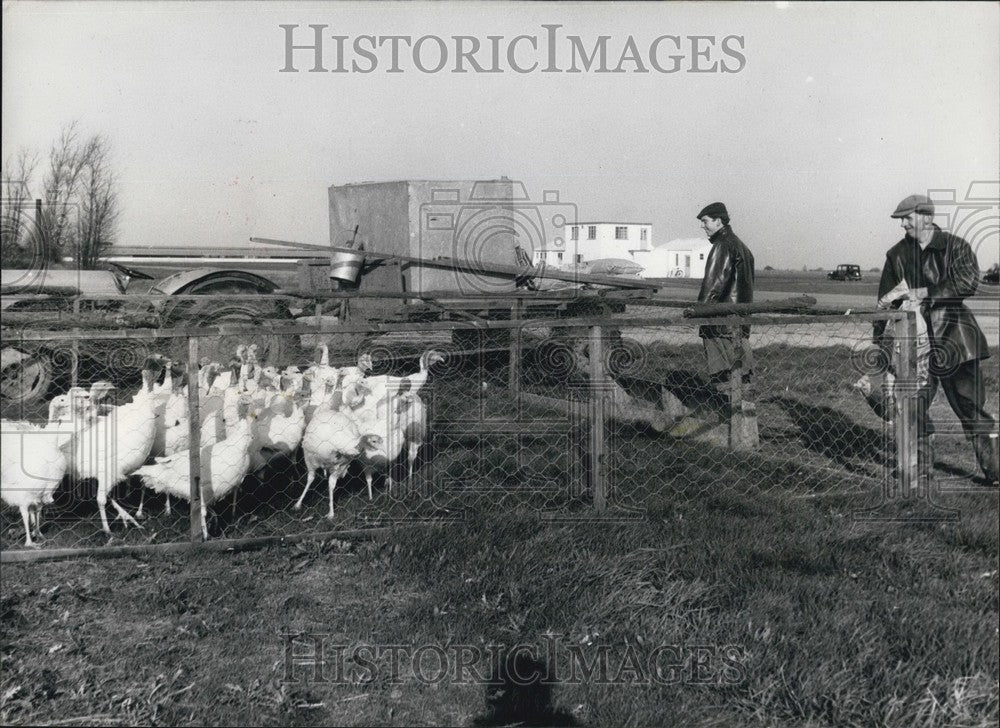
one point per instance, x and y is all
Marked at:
(80, 214)
(20, 242)
(61, 213)
(98, 204)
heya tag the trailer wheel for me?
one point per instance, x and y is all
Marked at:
(25, 378)
(263, 316)
(271, 348)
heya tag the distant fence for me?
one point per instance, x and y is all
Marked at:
(604, 416)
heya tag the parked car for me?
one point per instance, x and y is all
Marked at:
(992, 275)
(845, 272)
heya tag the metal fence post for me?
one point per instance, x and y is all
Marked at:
(194, 422)
(597, 460)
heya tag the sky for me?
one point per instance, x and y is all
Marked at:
(816, 121)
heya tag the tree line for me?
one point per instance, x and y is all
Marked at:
(73, 215)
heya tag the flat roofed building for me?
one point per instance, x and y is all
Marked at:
(589, 241)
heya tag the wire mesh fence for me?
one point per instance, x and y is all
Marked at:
(310, 426)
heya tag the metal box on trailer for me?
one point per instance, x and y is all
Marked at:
(480, 221)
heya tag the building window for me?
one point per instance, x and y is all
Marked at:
(642, 234)
(579, 257)
(559, 257)
(574, 233)
(592, 232)
(701, 256)
(621, 233)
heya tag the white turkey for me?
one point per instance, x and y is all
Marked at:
(224, 465)
(389, 428)
(113, 446)
(33, 464)
(332, 440)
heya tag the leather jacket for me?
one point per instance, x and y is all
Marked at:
(948, 269)
(729, 273)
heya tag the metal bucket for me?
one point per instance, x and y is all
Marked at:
(346, 266)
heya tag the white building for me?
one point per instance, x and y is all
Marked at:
(590, 241)
(680, 258)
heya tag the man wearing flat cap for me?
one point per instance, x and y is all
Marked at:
(728, 278)
(940, 270)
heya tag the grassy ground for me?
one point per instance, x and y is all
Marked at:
(719, 609)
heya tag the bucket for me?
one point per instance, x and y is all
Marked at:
(346, 266)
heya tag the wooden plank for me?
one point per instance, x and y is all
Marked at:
(95, 320)
(379, 328)
(22, 556)
(135, 251)
(794, 303)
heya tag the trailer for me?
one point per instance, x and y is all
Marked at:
(399, 251)
(408, 251)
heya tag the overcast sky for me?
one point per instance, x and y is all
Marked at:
(835, 113)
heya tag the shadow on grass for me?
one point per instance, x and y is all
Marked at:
(833, 434)
(517, 695)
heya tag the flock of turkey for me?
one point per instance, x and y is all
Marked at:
(248, 415)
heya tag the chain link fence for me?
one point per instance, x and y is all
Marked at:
(576, 418)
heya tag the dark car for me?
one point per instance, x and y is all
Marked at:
(845, 272)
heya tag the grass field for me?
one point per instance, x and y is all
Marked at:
(742, 592)
(718, 609)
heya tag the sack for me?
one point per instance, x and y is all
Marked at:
(878, 388)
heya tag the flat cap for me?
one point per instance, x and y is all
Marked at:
(914, 203)
(715, 210)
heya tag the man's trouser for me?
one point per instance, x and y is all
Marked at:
(966, 393)
(722, 357)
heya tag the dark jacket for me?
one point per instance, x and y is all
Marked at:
(948, 269)
(728, 277)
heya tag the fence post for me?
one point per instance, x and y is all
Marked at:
(514, 373)
(75, 364)
(194, 422)
(597, 459)
(908, 423)
(743, 430)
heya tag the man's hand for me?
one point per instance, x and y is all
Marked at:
(900, 291)
(916, 294)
